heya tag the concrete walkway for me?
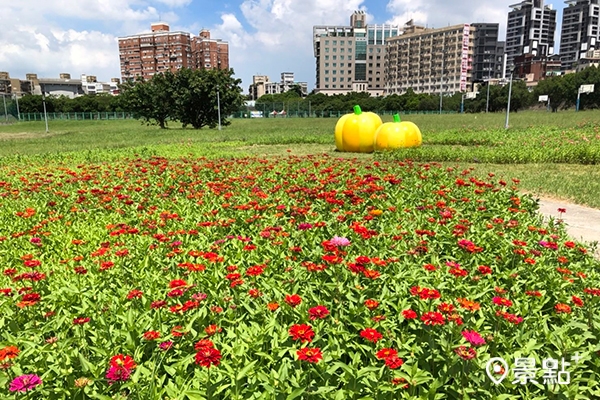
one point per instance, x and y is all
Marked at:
(582, 223)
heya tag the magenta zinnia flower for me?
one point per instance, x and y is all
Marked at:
(473, 337)
(24, 383)
(304, 226)
(117, 374)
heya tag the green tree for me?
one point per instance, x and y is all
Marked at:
(152, 100)
(196, 96)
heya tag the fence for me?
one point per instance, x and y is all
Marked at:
(324, 114)
(76, 116)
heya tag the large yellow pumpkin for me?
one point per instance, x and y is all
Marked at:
(355, 132)
(397, 134)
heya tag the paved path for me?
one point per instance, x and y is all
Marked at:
(582, 223)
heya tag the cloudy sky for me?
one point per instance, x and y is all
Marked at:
(267, 37)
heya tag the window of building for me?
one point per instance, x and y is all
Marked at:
(326, 79)
(326, 57)
(342, 50)
(334, 86)
(370, 57)
(333, 79)
(349, 71)
(378, 65)
(326, 72)
(326, 49)
(326, 86)
(370, 65)
(349, 79)
(327, 64)
(342, 72)
(335, 49)
(335, 64)
(341, 42)
(335, 57)
(379, 57)
(327, 43)
(349, 57)
(333, 72)
(341, 57)
(335, 42)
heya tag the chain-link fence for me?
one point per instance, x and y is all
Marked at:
(9, 109)
(76, 116)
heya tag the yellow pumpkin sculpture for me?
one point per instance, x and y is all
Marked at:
(355, 132)
(397, 134)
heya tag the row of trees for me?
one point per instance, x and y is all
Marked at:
(562, 91)
(190, 96)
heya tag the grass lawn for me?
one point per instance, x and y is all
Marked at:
(553, 154)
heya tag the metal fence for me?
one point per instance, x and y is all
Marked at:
(76, 116)
(322, 114)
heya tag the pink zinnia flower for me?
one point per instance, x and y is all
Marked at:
(339, 241)
(24, 383)
(473, 337)
(304, 226)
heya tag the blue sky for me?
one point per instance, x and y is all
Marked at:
(266, 37)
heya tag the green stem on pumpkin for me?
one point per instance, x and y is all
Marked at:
(397, 118)
(357, 110)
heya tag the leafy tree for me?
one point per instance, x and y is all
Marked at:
(152, 100)
(196, 96)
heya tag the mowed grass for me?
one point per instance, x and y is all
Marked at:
(545, 151)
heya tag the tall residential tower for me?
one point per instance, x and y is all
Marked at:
(580, 31)
(530, 30)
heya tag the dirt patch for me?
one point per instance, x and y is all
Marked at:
(23, 135)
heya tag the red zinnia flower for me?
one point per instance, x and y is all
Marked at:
(385, 353)
(409, 314)
(484, 270)
(562, 308)
(212, 329)
(371, 304)
(272, 306)
(371, 335)
(311, 355)
(302, 332)
(466, 353)
(318, 312)
(433, 318)
(445, 308)
(394, 362)
(157, 304)
(122, 361)
(9, 352)
(81, 320)
(577, 301)
(135, 294)
(175, 283)
(501, 301)
(203, 343)
(293, 300)
(151, 335)
(208, 356)
(255, 270)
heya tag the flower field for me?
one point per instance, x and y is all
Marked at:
(291, 277)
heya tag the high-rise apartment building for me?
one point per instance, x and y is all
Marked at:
(209, 53)
(530, 30)
(351, 58)
(162, 50)
(488, 53)
(430, 60)
(580, 31)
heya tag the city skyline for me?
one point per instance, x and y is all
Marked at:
(265, 37)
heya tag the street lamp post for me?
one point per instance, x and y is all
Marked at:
(487, 101)
(18, 111)
(508, 105)
(45, 113)
(218, 107)
(442, 84)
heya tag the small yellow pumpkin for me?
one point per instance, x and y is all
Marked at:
(355, 132)
(397, 134)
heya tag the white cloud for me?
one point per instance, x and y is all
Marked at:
(175, 3)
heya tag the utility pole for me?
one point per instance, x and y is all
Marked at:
(442, 83)
(509, 94)
(218, 107)
(18, 111)
(45, 113)
(487, 102)
(5, 110)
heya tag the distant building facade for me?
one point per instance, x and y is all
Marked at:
(351, 58)
(261, 85)
(163, 50)
(532, 69)
(430, 60)
(580, 31)
(488, 53)
(64, 85)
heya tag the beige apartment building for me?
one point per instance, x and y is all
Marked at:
(163, 50)
(351, 58)
(430, 60)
